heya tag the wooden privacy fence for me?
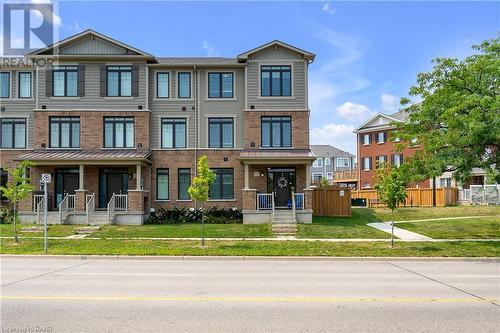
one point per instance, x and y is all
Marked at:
(416, 197)
(332, 201)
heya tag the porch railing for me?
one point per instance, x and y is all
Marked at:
(464, 195)
(89, 205)
(40, 207)
(111, 208)
(293, 203)
(36, 199)
(64, 208)
(71, 202)
(265, 201)
(121, 202)
(299, 201)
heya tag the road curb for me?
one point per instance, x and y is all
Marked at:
(247, 258)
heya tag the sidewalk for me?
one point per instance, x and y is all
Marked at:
(402, 234)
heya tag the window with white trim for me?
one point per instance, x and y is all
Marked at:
(318, 163)
(366, 139)
(367, 163)
(343, 162)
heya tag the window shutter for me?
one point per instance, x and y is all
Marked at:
(102, 80)
(385, 136)
(48, 82)
(401, 159)
(392, 159)
(369, 163)
(81, 81)
(135, 80)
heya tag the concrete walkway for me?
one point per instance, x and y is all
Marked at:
(448, 218)
(398, 232)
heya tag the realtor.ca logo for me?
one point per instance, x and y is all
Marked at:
(27, 27)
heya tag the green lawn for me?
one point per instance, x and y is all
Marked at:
(6, 230)
(251, 248)
(186, 230)
(488, 227)
(402, 214)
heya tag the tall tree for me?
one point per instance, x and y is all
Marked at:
(391, 189)
(455, 115)
(17, 189)
(200, 187)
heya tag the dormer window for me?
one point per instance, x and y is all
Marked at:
(275, 81)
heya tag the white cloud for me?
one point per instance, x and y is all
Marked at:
(338, 135)
(56, 19)
(352, 111)
(389, 102)
(328, 8)
(209, 48)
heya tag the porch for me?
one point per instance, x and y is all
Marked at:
(90, 186)
(277, 186)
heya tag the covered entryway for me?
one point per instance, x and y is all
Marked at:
(67, 182)
(281, 182)
(112, 181)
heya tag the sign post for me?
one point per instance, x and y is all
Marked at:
(46, 179)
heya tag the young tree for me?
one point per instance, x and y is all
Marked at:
(455, 117)
(391, 190)
(200, 187)
(17, 189)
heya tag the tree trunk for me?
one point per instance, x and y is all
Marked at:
(392, 228)
(202, 229)
(16, 239)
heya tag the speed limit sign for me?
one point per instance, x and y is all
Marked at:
(46, 178)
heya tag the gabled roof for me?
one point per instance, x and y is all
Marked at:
(329, 151)
(394, 117)
(89, 33)
(307, 55)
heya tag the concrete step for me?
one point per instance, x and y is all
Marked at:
(284, 229)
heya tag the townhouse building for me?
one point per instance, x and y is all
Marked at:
(120, 130)
(335, 165)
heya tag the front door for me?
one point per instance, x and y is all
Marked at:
(67, 181)
(111, 181)
(281, 182)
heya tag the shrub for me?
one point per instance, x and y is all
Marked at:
(6, 215)
(213, 215)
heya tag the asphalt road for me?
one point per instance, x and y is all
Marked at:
(73, 295)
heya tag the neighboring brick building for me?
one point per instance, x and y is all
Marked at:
(118, 127)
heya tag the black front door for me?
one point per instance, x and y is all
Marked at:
(111, 181)
(67, 181)
(281, 182)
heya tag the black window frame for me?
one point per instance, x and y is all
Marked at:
(272, 69)
(65, 70)
(179, 171)
(220, 74)
(178, 84)
(114, 121)
(9, 81)
(120, 69)
(61, 120)
(163, 171)
(14, 121)
(220, 121)
(219, 182)
(168, 84)
(275, 119)
(4, 179)
(173, 121)
(19, 84)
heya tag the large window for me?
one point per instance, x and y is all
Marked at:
(317, 176)
(381, 161)
(318, 162)
(118, 132)
(381, 137)
(64, 132)
(24, 85)
(162, 85)
(397, 160)
(4, 85)
(223, 187)
(162, 182)
(183, 183)
(220, 85)
(275, 81)
(65, 81)
(444, 182)
(119, 81)
(343, 162)
(173, 133)
(366, 139)
(13, 133)
(276, 131)
(184, 85)
(220, 133)
(367, 163)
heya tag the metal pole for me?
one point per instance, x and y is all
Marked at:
(45, 216)
(433, 192)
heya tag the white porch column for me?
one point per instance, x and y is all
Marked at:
(81, 177)
(138, 177)
(247, 177)
(308, 176)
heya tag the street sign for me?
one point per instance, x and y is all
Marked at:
(46, 178)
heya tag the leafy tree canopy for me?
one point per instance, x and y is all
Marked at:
(200, 185)
(455, 115)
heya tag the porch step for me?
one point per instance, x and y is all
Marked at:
(284, 217)
(284, 229)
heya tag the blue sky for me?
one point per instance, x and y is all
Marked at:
(368, 53)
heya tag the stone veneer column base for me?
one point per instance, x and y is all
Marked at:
(80, 200)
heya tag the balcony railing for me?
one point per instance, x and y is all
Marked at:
(345, 175)
(264, 201)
